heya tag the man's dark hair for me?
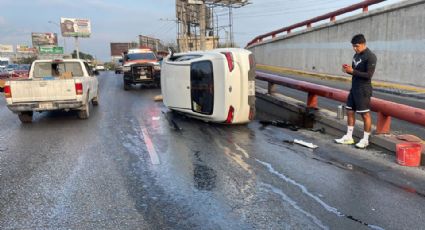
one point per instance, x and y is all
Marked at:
(358, 39)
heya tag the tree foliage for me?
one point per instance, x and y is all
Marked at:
(82, 55)
(26, 60)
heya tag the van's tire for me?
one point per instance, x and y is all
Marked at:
(25, 117)
(127, 86)
(95, 100)
(85, 112)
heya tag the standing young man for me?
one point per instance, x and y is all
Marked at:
(362, 69)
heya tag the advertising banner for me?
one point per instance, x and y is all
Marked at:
(72, 27)
(44, 39)
(24, 49)
(6, 48)
(120, 47)
(51, 50)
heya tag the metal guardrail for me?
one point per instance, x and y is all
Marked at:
(385, 109)
(332, 16)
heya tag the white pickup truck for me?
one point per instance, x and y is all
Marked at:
(65, 85)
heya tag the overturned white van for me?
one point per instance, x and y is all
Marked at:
(215, 86)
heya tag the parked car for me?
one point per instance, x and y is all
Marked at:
(21, 72)
(4, 73)
(215, 86)
(11, 67)
(100, 67)
(53, 85)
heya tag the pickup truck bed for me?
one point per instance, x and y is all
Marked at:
(64, 91)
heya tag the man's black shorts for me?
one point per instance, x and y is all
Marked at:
(359, 100)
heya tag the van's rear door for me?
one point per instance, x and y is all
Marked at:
(176, 85)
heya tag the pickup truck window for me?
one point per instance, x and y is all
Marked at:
(140, 56)
(202, 87)
(56, 69)
(89, 70)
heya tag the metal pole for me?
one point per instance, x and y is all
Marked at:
(77, 47)
(64, 45)
(231, 25)
(202, 25)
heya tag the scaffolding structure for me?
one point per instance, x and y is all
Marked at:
(196, 27)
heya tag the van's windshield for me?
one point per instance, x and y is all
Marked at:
(57, 69)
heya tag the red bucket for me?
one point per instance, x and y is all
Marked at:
(409, 154)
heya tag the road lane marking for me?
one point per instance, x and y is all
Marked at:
(151, 149)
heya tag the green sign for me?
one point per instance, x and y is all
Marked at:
(51, 50)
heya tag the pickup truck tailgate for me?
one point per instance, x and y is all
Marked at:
(43, 90)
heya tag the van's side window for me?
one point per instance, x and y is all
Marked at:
(202, 87)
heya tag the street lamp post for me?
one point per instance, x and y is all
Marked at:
(64, 40)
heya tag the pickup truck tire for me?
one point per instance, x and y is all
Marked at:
(95, 100)
(127, 86)
(84, 113)
(25, 117)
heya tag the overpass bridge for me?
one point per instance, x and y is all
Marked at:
(315, 49)
(395, 33)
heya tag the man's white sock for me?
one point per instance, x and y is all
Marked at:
(366, 135)
(350, 130)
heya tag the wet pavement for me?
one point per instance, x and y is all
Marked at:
(135, 165)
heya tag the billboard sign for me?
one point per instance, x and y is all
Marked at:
(118, 48)
(44, 39)
(6, 48)
(51, 50)
(24, 49)
(72, 27)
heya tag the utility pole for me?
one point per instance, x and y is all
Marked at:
(64, 40)
(77, 47)
(231, 25)
(202, 25)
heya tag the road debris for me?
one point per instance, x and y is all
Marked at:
(306, 144)
(281, 124)
(158, 98)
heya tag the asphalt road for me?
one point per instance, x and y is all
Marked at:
(128, 167)
(397, 126)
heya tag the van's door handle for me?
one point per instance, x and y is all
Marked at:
(188, 87)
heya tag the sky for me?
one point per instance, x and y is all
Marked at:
(124, 20)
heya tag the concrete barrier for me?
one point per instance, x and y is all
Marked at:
(395, 33)
(280, 107)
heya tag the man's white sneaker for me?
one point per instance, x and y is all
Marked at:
(363, 143)
(345, 140)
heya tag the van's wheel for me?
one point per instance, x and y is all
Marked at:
(25, 117)
(85, 112)
(126, 85)
(95, 100)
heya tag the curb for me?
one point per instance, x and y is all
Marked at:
(327, 119)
